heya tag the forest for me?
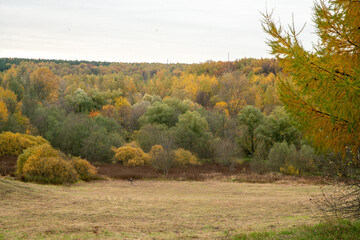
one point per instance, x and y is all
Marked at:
(159, 115)
(244, 149)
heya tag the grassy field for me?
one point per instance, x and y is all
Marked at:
(150, 209)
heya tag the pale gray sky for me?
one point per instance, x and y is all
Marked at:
(187, 31)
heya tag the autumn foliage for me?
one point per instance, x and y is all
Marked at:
(44, 164)
(131, 155)
(184, 157)
(13, 144)
(323, 93)
(84, 169)
(54, 170)
(35, 153)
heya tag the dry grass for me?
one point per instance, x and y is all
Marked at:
(150, 209)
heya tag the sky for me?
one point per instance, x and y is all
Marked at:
(174, 31)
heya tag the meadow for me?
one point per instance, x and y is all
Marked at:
(117, 209)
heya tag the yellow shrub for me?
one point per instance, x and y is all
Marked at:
(53, 170)
(156, 152)
(35, 153)
(13, 144)
(84, 169)
(288, 169)
(184, 157)
(131, 156)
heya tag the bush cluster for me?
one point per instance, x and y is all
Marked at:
(13, 144)
(184, 157)
(44, 164)
(287, 159)
(84, 169)
(130, 155)
(165, 159)
(54, 170)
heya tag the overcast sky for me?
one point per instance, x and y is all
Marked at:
(187, 31)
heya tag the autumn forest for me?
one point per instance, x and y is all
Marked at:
(239, 149)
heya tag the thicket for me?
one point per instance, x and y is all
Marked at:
(130, 155)
(44, 164)
(13, 144)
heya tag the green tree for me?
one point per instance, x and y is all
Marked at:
(81, 101)
(322, 90)
(191, 133)
(277, 128)
(249, 118)
(97, 146)
(159, 113)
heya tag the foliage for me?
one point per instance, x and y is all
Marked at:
(84, 169)
(184, 157)
(159, 113)
(191, 133)
(91, 138)
(289, 169)
(281, 155)
(45, 83)
(277, 127)
(166, 112)
(130, 155)
(13, 144)
(81, 101)
(323, 91)
(150, 135)
(97, 146)
(35, 153)
(161, 159)
(44, 164)
(249, 118)
(54, 170)
(11, 117)
(4, 114)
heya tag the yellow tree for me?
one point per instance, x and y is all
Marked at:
(45, 83)
(3, 112)
(122, 109)
(222, 108)
(322, 88)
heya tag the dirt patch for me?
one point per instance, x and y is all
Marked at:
(201, 172)
(7, 165)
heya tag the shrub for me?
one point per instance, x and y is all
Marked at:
(130, 155)
(289, 169)
(53, 170)
(261, 151)
(184, 157)
(259, 166)
(36, 152)
(13, 144)
(161, 159)
(156, 152)
(44, 164)
(84, 169)
(306, 159)
(281, 154)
